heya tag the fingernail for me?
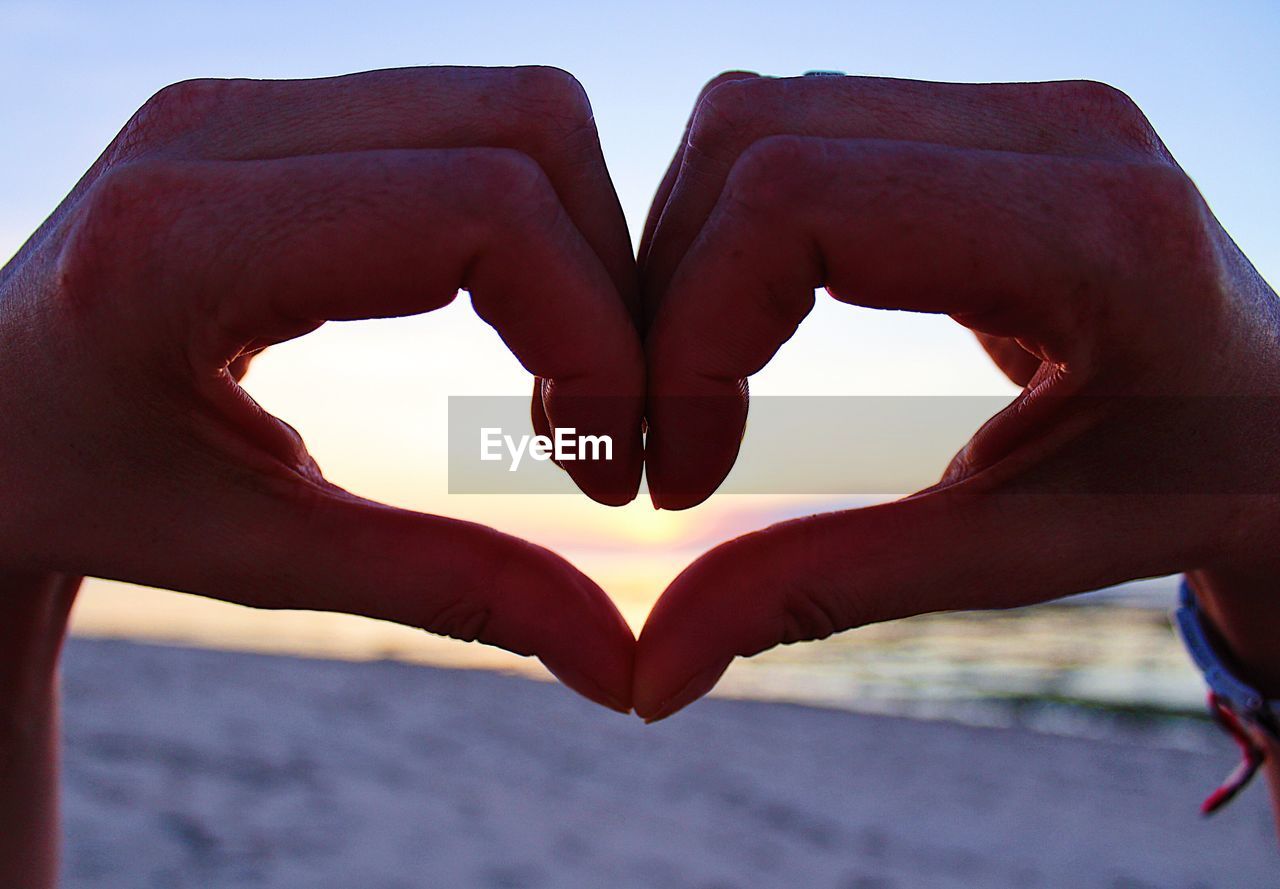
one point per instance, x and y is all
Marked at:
(695, 688)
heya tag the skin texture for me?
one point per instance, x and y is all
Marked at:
(230, 215)
(1050, 220)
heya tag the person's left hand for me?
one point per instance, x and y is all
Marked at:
(1049, 219)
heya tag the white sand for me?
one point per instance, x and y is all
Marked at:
(188, 768)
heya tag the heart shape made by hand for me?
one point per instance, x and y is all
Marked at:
(232, 215)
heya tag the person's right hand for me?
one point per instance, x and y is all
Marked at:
(230, 215)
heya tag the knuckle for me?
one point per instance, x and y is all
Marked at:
(1162, 188)
(1170, 218)
(766, 176)
(733, 74)
(1101, 105)
(461, 619)
(725, 120)
(117, 225)
(1100, 98)
(186, 98)
(555, 116)
(511, 182)
(1161, 271)
(808, 615)
(174, 111)
(554, 95)
(512, 194)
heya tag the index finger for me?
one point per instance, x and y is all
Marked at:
(261, 251)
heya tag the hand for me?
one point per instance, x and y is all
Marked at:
(231, 215)
(1049, 219)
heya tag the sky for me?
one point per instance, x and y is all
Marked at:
(369, 397)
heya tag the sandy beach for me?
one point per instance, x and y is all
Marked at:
(198, 768)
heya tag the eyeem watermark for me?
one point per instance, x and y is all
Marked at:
(875, 445)
(565, 446)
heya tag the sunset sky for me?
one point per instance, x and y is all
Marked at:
(369, 398)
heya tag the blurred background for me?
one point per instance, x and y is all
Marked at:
(370, 397)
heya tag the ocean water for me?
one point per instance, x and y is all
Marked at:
(1035, 665)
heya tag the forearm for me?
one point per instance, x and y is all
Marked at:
(34, 609)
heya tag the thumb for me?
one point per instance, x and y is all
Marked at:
(940, 550)
(316, 547)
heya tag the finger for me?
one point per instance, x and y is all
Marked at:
(673, 169)
(539, 111)
(281, 544)
(542, 112)
(1069, 118)
(1008, 244)
(940, 551)
(267, 250)
(1015, 362)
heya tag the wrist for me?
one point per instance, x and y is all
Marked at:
(1243, 607)
(33, 615)
(35, 608)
